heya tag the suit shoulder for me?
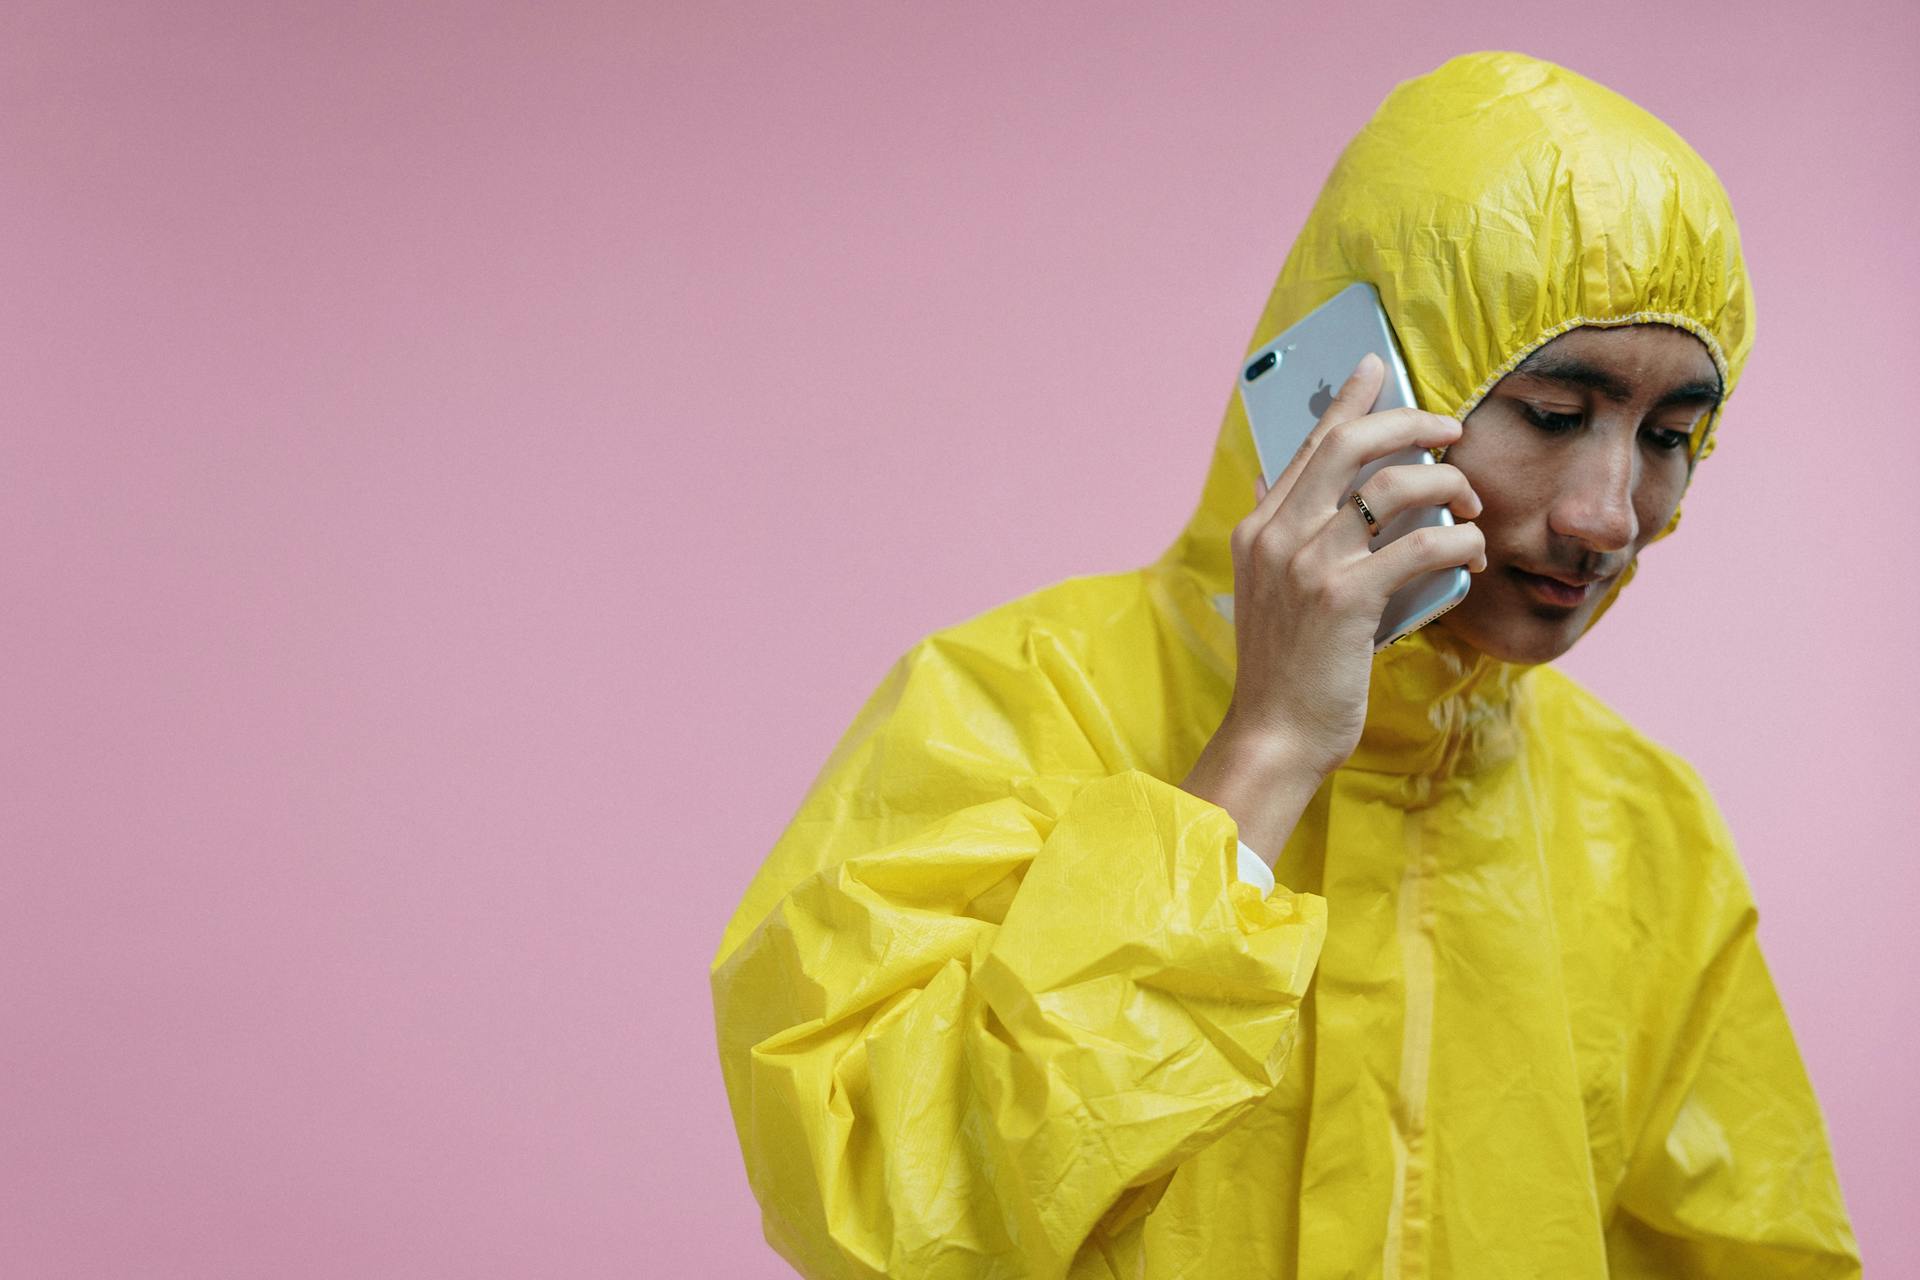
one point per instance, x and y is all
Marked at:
(1641, 814)
(1075, 610)
(1581, 731)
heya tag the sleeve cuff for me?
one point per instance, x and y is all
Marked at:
(1254, 871)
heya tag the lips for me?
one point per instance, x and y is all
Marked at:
(1563, 593)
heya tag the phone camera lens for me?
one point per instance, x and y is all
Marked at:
(1263, 364)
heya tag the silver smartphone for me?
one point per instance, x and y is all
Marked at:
(1287, 384)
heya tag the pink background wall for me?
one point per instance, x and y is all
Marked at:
(465, 466)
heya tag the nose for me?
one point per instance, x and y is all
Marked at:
(1595, 503)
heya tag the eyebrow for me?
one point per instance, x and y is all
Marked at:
(1559, 367)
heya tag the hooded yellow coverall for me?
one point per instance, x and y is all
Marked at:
(998, 1005)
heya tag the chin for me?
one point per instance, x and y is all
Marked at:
(1517, 636)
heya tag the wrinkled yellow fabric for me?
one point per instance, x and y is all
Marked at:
(996, 1005)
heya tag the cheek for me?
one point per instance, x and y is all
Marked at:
(1658, 498)
(1508, 483)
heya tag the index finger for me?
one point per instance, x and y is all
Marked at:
(1328, 479)
(1354, 399)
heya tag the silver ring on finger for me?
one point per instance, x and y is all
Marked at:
(1373, 526)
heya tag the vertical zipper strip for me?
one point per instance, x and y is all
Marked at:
(1408, 1217)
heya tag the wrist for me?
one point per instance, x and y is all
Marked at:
(1261, 778)
(1268, 755)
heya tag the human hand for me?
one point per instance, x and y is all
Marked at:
(1308, 594)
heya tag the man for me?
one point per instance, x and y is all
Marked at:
(1015, 994)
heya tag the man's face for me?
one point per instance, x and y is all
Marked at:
(1580, 457)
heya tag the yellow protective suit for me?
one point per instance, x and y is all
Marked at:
(997, 1004)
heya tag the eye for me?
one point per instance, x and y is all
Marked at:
(1547, 420)
(1668, 439)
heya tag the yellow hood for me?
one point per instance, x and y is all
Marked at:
(1496, 203)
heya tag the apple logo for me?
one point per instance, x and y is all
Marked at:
(1321, 401)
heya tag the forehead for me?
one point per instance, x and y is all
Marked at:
(1649, 356)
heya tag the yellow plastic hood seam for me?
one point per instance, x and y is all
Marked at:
(1702, 447)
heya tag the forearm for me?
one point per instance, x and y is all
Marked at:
(1258, 780)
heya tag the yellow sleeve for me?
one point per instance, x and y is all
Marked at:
(1734, 1177)
(996, 981)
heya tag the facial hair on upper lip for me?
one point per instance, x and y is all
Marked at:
(1571, 579)
(1570, 575)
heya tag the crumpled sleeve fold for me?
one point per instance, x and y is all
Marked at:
(958, 1042)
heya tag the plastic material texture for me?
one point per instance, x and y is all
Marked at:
(997, 1005)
